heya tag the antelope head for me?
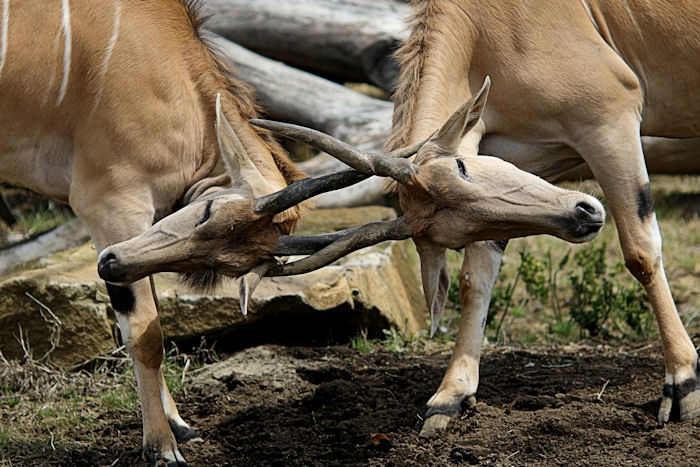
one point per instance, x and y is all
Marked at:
(217, 234)
(235, 232)
(451, 199)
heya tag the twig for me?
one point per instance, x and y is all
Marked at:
(182, 380)
(563, 365)
(639, 349)
(602, 391)
(507, 306)
(44, 307)
(55, 337)
(511, 455)
(392, 394)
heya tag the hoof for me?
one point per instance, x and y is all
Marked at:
(183, 433)
(685, 395)
(434, 424)
(689, 406)
(171, 458)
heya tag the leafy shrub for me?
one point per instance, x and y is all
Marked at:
(593, 301)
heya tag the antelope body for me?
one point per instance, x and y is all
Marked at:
(574, 80)
(111, 107)
(493, 200)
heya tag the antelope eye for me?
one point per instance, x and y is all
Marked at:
(462, 170)
(207, 213)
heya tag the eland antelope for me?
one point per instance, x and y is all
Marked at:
(450, 200)
(577, 80)
(110, 106)
(494, 200)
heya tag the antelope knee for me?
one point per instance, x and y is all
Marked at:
(643, 259)
(147, 347)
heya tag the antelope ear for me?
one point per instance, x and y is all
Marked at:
(451, 133)
(244, 174)
(436, 281)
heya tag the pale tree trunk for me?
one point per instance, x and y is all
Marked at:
(71, 234)
(294, 96)
(349, 40)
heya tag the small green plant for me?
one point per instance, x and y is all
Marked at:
(10, 401)
(361, 343)
(601, 303)
(593, 302)
(593, 295)
(531, 271)
(393, 341)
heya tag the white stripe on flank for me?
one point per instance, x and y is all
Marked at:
(108, 53)
(65, 8)
(3, 34)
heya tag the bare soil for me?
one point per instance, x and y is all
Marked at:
(574, 405)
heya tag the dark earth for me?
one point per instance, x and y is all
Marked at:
(574, 405)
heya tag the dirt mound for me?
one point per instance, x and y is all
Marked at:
(334, 406)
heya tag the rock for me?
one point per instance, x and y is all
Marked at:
(257, 363)
(373, 288)
(66, 284)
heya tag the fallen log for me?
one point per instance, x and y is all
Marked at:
(295, 96)
(344, 39)
(71, 234)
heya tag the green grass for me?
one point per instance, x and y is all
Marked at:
(43, 409)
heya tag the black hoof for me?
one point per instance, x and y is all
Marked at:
(183, 433)
(158, 459)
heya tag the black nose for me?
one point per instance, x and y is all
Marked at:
(108, 268)
(588, 219)
(588, 213)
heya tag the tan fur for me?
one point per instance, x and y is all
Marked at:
(110, 105)
(572, 81)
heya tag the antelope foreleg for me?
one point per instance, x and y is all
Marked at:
(619, 167)
(111, 221)
(478, 274)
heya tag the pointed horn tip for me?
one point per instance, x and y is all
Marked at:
(486, 87)
(243, 296)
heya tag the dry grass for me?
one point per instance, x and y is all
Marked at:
(46, 412)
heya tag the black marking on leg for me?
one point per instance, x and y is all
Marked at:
(668, 391)
(182, 433)
(500, 245)
(122, 297)
(685, 388)
(645, 202)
